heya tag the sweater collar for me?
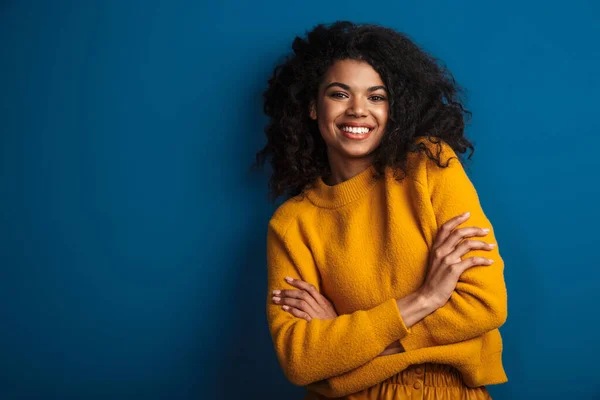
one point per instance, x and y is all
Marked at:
(325, 196)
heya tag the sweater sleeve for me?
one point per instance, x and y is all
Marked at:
(315, 350)
(479, 302)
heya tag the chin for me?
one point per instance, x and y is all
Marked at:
(356, 153)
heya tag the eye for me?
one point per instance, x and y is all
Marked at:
(338, 95)
(378, 98)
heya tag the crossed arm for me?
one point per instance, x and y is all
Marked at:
(309, 304)
(324, 345)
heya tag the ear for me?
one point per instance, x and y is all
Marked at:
(312, 110)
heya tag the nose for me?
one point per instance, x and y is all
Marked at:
(357, 107)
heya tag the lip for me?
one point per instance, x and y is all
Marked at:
(355, 125)
(357, 137)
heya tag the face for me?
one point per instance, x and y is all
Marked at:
(351, 110)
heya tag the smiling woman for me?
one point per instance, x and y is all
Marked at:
(351, 109)
(375, 290)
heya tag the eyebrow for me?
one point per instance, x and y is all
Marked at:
(346, 87)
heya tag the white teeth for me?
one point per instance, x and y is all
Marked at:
(355, 130)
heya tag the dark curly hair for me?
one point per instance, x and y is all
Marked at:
(424, 101)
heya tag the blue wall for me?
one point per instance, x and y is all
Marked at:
(133, 234)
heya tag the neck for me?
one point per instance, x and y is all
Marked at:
(344, 169)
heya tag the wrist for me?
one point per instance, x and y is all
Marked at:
(428, 300)
(414, 307)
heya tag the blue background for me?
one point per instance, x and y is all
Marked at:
(133, 232)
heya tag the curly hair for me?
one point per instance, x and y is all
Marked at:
(424, 101)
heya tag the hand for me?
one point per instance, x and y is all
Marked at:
(393, 348)
(445, 262)
(306, 303)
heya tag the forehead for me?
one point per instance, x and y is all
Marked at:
(354, 73)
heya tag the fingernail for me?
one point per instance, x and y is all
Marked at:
(486, 230)
(276, 291)
(287, 278)
(492, 244)
(466, 214)
(285, 307)
(275, 298)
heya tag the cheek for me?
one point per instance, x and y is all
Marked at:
(328, 114)
(331, 110)
(382, 116)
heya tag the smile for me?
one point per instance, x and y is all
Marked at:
(356, 133)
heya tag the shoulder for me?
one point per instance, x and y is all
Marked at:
(436, 147)
(419, 161)
(288, 213)
(433, 156)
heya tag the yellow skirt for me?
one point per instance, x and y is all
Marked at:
(423, 382)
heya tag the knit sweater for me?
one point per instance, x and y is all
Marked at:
(364, 243)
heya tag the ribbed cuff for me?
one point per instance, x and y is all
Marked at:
(387, 322)
(416, 340)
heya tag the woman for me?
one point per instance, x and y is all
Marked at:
(375, 292)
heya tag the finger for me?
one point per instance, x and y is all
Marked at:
(456, 237)
(297, 313)
(448, 227)
(470, 231)
(468, 245)
(310, 289)
(471, 262)
(300, 300)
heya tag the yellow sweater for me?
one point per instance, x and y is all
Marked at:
(363, 244)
